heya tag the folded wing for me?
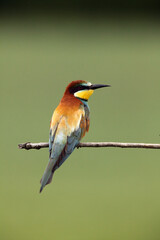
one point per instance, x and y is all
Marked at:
(62, 142)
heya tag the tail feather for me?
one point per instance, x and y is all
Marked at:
(46, 179)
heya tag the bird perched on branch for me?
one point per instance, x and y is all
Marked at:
(69, 123)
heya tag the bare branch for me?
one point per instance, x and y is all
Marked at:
(29, 145)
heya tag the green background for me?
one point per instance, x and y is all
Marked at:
(97, 193)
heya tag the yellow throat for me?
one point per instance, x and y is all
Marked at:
(84, 94)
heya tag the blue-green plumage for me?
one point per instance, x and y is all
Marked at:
(61, 144)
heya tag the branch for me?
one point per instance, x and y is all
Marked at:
(29, 145)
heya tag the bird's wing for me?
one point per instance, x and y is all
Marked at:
(52, 134)
(62, 142)
(57, 142)
(71, 143)
(74, 138)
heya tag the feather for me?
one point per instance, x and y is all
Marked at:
(68, 126)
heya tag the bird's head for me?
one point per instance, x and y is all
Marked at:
(82, 89)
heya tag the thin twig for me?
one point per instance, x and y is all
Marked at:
(29, 145)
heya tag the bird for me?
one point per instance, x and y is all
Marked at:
(69, 123)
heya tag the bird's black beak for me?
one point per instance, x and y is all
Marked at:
(96, 86)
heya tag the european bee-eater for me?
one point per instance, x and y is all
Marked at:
(68, 125)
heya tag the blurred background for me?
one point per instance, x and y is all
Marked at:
(97, 193)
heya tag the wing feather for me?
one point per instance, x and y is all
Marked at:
(62, 142)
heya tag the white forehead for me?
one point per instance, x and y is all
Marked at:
(89, 84)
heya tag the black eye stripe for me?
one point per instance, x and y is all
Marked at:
(78, 88)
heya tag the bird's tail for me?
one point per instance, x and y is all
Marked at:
(47, 178)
